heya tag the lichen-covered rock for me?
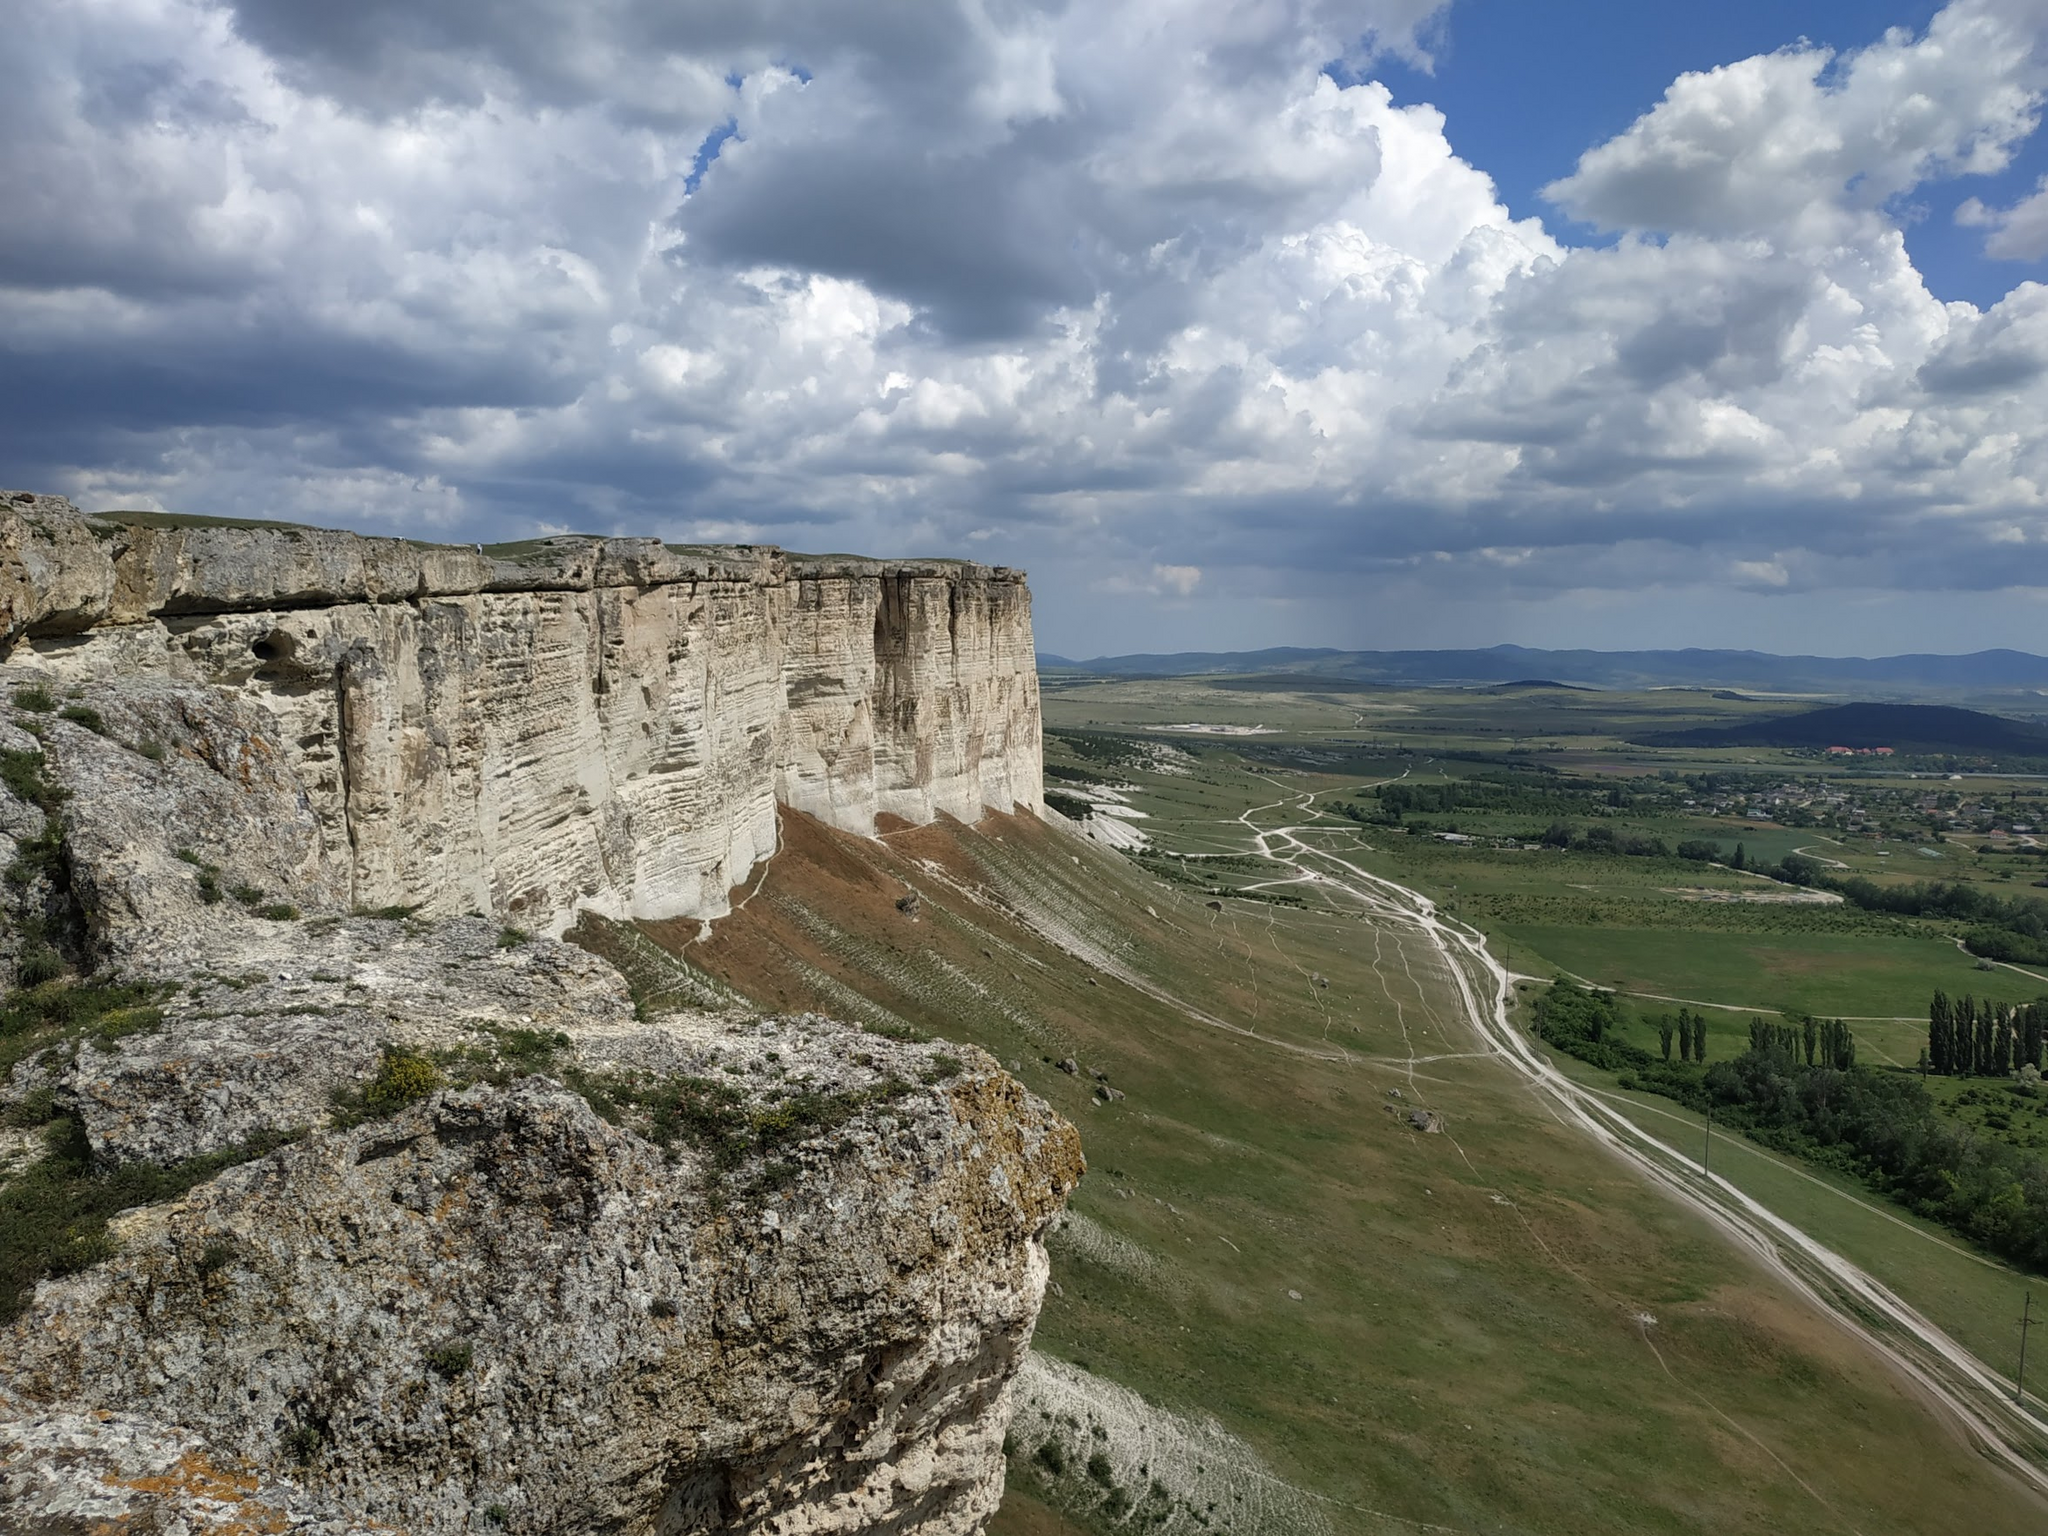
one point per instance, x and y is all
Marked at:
(496, 1300)
(181, 810)
(275, 1019)
(66, 1473)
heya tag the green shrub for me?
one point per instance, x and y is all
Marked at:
(1053, 1457)
(248, 895)
(34, 697)
(39, 856)
(530, 1050)
(56, 1011)
(302, 1442)
(209, 885)
(451, 1359)
(1100, 1469)
(278, 911)
(151, 749)
(53, 1216)
(37, 963)
(85, 715)
(512, 938)
(403, 1078)
(22, 773)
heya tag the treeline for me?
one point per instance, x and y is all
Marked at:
(1587, 1024)
(1510, 792)
(1814, 1101)
(1821, 1042)
(2010, 928)
(1966, 1038)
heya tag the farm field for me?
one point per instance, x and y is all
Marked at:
(1866, 977)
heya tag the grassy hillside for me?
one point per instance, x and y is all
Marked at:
(1491, 1327)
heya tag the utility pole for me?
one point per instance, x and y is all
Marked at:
(2019, 1390)
(1708, 1145)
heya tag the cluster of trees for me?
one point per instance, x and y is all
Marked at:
(1966, 1038)
(1587, 1024)
(1798, 1089)
(2011, 928)
(1820, 1042)
(1509, 791)
(1690, 1030)
(1603, 840)
(1883, 1127)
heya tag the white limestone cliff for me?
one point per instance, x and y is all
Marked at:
(573, 722)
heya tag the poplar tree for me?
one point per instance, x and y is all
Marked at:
(1940, 1035)
(1810, 1032)
(1699, 1038)
(1665, 1030)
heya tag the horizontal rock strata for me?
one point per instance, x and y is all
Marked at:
(526, 729)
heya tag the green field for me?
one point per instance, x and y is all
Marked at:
(1834, 974)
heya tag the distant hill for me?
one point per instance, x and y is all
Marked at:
(1908, 728)
(1754, 671)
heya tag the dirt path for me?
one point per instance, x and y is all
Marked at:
(1947, 1376)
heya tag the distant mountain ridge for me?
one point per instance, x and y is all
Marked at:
(1759, 671)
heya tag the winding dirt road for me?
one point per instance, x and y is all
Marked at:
(1946, 1375)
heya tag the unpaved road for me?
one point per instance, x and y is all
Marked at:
(1958, 1384)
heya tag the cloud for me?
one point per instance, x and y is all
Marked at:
(2018, 233)
(1145, 295)
(1789, 144)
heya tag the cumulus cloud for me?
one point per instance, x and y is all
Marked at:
(1153, 293)
(2018, 233)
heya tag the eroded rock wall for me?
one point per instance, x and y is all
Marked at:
(573, 722)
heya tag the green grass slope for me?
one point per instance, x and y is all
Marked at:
(1494, 1328)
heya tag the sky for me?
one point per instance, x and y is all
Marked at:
(1372, 323)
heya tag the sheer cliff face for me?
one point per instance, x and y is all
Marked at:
(576, 722)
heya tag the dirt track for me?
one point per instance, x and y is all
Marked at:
(1960, 1387)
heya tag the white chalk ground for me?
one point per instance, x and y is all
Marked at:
(1206, 729)
(1087, 1239)
(1111, 823)
(1158, 1470)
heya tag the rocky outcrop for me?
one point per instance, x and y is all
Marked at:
(497, 1301)
(573, 722)
(450, 1225)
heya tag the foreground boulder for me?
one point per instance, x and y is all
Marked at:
(496, 1307)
